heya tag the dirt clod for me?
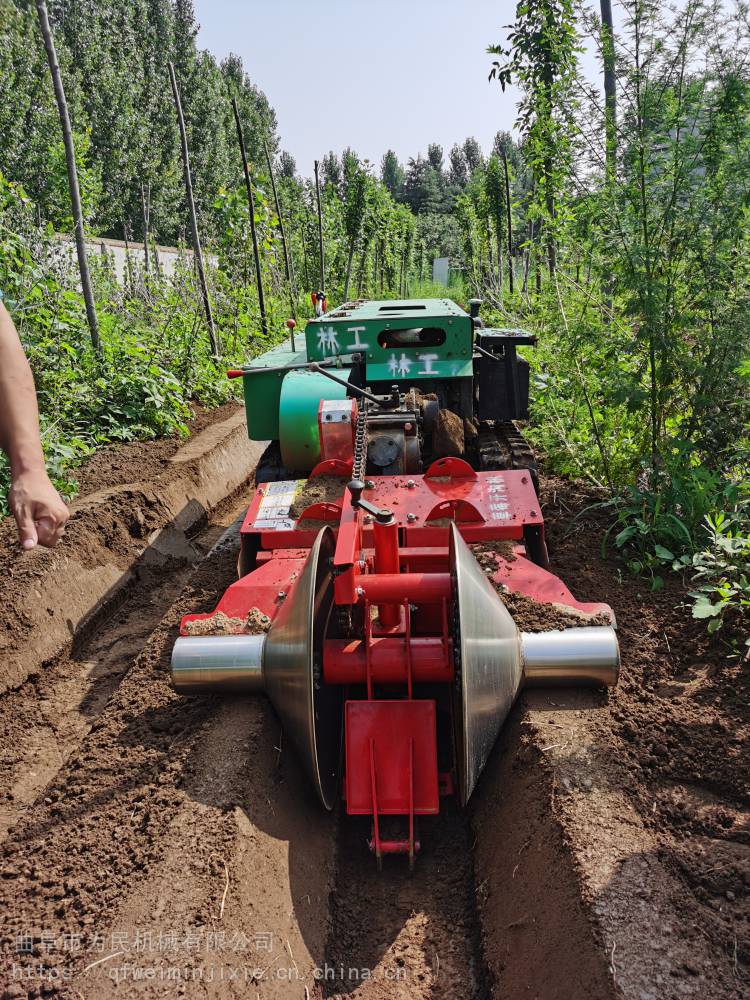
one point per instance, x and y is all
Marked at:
(256, 623)
(533, 616)
(489, 554)
(448, 434)
(319, 489)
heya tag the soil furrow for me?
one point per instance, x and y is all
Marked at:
(165, 846)
(396, 934)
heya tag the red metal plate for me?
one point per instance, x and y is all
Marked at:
(260, 589)
(525, 577)
(392, 725)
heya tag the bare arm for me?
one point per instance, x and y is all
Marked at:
(36, 505)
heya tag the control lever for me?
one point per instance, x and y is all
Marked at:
(381, 514)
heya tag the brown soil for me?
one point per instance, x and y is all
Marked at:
(315, 524)
(606, 851)
(416, 934)
(141, 460)
(256, 623)
(154, 825)
(488, 554)
(470, 430)
(537, 936)
(531, 616)
(448, 434)
(653, 779)
(320, 489)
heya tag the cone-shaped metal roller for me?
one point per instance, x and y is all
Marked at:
(287, 665)
(488, 664)
(310, 711)
(493, 661)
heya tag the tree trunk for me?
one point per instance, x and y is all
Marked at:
(128, 281)
(349, 270)
(212, 335)
(610, 87)
(320, 230)
(305, 262)
(146, 210)
(500, 275)
(549, 202)
(362, 269)
(70, 159)
(251, 210)
(509, 220)
(290, 230)
(287, 257)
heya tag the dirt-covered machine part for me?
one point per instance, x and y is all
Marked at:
(360, 609)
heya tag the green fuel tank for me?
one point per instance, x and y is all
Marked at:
(299, 400)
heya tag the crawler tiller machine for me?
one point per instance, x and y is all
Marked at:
(361, 610)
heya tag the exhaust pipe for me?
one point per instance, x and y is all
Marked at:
(571, 657)
(219, 663)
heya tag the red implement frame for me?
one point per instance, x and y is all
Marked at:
(394, 568)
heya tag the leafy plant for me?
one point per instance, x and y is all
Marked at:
(723, 574)
(661, 529)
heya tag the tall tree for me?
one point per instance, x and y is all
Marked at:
(542, 60)
(287, 165)
(435, 157)
(457, 169)
(70, 157)
(197, 251)
(610, 85)
(331, 171)
(472, 153)
(494, 186)
(355, 207)
(392, 174)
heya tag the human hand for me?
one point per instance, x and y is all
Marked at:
(38, 509)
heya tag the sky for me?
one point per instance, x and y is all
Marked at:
(370, 74)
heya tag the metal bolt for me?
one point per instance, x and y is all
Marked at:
(369, 485)
(368, 518)
(281, 595)
(360, 592)
(410, 484)
(411, 517)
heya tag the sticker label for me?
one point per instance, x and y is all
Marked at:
(273, 513)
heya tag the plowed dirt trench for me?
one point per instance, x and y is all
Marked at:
(155, 845)
(166, 846)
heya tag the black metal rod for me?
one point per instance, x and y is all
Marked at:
(487, 354)
(314, 366)
(349, 385)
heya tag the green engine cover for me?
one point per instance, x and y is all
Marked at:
(301, 393)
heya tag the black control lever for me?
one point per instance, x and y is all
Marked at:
(381, 514)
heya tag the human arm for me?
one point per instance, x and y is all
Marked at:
(36, 505)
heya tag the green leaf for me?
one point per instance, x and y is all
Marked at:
(704, 609)
(624, 536)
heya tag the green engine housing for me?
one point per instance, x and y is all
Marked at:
(421, 343)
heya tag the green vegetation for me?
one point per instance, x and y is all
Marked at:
(621, 238)
(635, 259)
